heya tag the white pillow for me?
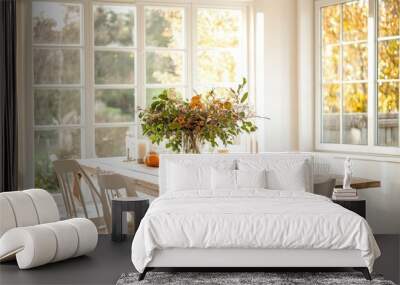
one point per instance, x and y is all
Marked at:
(181, 177)
(251, 178)
(294, 179)
(223, 179)
(282, 173)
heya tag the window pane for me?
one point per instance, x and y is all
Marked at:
(57, 106)
(115, 106)
(164, 27)
(389, 18)
(51, 145)
(388, 114)
(331, 128)
(355, 98)
(56, 66)
(114, 26)
(355, 21)
(154, 92)
(355, 117)
(355, 129)
(388, 101)
(388, 59)
(330, 63)
(114, 67)
(164, 67)
(355, 62)
(331, 95)
(55, 23)
(331, 113)
(218, 28)
(216, 67)
(330, 19)
(219, 92)
(110, 141)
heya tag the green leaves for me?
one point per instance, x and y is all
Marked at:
(244, 97)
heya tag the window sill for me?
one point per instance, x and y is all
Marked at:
(364, 154)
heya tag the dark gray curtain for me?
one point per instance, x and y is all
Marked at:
(8, 99)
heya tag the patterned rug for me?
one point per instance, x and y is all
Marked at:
(243, 278)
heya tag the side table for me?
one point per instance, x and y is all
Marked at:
(128, 204)
(357, 206)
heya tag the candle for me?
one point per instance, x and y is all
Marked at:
(142, 149)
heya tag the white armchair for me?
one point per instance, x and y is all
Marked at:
(31, 232)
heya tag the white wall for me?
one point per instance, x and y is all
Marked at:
(305, 62)
(280, 59)
(289, 101)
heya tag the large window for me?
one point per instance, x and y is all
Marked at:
(357, 75)
(95, 62)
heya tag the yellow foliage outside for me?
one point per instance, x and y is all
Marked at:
(216, 28)
(354, 65)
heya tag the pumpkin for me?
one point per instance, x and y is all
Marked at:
(152, 159)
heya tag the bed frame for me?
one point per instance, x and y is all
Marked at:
(245, 259)
(240, 259)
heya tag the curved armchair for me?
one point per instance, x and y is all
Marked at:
(31, 233)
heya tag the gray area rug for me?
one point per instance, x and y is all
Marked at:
(269, 278)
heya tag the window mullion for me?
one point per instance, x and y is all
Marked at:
(341, 77)
(372, 67)
(188, 46)
(194, 49)
(88, 129)
(140, 62)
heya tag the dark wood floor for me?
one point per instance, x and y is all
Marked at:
(110, 260)
(102, 266)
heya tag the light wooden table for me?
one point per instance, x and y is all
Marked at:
(356, 182)
(139, 177)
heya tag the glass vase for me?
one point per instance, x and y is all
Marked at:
(191, 144)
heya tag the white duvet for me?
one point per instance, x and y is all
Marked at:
(253, 218)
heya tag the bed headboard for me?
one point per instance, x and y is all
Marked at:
(215, 159)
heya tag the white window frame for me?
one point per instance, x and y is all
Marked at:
(87, 124)
(371, 148)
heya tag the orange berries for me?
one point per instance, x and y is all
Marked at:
(195, 102)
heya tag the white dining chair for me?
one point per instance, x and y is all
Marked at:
(72, 180)
(114, 186)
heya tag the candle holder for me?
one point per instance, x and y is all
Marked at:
(130, 146)
(141, 151)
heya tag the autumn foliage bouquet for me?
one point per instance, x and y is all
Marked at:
(188, 124)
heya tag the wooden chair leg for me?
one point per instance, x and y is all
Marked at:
(364, 271)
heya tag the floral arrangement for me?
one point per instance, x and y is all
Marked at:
(188, 124)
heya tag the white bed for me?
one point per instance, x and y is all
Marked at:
(249, 227)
